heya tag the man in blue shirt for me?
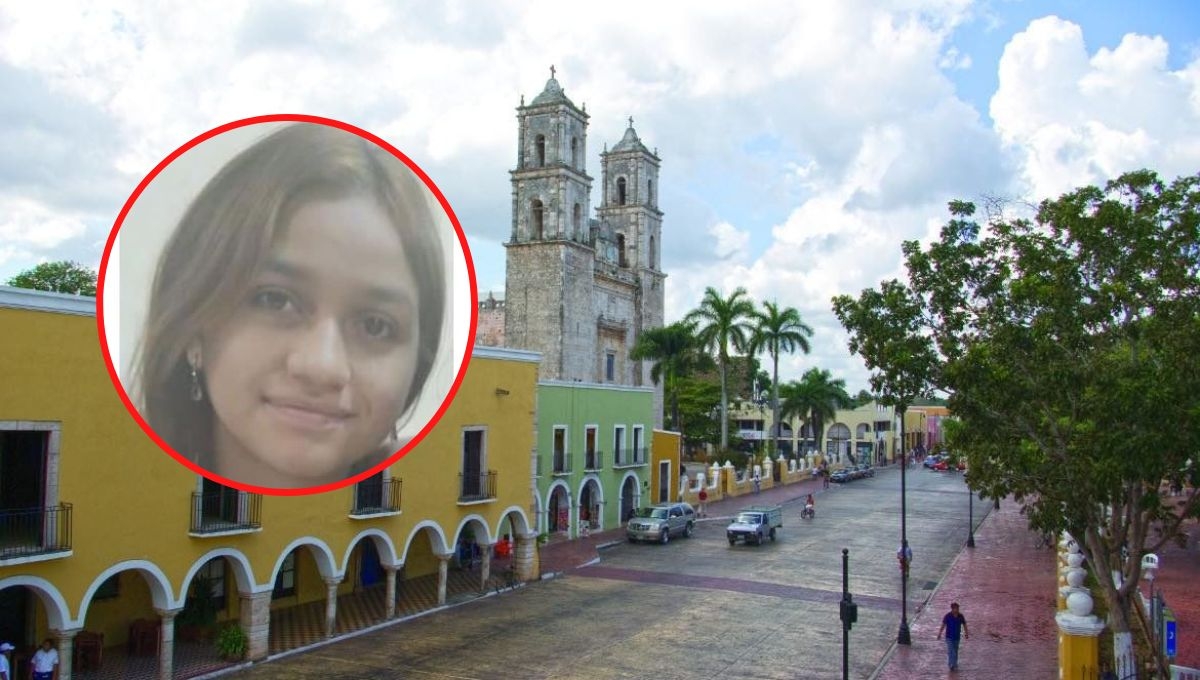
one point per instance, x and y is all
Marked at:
(953, 624)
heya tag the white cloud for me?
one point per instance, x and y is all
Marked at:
(1072, 119)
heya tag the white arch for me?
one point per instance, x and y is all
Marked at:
(58, 615)
(321, 553)
(558, 483)
(539, 517)
(243, 573)
(474, 518)
(387, 556)
(437, 531)
(160, 586)
(520, 512)
(583, 484)
(637, 492)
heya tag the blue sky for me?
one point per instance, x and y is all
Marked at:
(800, 143)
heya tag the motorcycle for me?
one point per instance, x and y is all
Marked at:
(809, 512)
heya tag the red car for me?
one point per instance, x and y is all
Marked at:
(944, 465)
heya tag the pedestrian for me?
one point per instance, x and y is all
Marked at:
(825, 475)
(703, 498)
(954, 625)
(757, 482)
(44, 665)
(904, 556)
(5, 668)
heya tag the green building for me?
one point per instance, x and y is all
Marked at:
(593, 444)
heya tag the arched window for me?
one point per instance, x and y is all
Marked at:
(620, 191)
(540, 144)
(621, 250)
(576, 219)
(649, 192)
(536, 216)
(653, 263)
(575, 153)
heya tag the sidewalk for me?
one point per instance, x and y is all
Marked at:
(559, 556)
(1179, 571)
(1006, 589)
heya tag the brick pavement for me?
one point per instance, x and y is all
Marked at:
(1006, 588)
(1177, 577)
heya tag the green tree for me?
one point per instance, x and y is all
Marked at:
(58, 277)
(778, 330)
(676, 353)
(815, 398)
(1068, 345)
(698, 400)
(721, 324)
(861, 399)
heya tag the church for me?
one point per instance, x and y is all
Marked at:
(579, 289)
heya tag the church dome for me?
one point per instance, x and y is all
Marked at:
(552, 93)
(630, 142)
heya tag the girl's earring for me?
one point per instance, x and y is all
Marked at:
(197, 390)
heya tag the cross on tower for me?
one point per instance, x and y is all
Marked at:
(551, 70)
(631, 121)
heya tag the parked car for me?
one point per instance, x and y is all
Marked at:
(661, 522)
(931, 461)
(755, 524)
(865, 470)
(840, 476)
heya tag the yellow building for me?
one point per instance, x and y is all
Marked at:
(868, 432)
(123, 556)
(664, 483)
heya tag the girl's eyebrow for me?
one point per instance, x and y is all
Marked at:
(377, 294)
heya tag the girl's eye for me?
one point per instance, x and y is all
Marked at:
(273, 300)
(378, 327)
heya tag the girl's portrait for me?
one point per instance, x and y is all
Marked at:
(296, 324)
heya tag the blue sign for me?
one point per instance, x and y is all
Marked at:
(1169, 637)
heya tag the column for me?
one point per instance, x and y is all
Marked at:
(443, 574)
(254, 615)
(525, 557)
(166, 642)
(389, 578)
(66, 650)
(331, 584)
(1078, 636)
(485, 565)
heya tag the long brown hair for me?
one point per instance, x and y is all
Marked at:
(227, 232)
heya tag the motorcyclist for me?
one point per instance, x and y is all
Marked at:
(810, 506)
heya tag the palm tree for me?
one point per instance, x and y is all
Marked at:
(676, 353)
(815, 398)
(721, 323)
(778, 330)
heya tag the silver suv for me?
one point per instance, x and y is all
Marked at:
(660, 522)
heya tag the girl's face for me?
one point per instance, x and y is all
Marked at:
(316, 360)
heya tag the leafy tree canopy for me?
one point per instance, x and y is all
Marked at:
(58, 277)
(1068, 344)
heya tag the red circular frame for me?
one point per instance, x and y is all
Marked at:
(288, 118)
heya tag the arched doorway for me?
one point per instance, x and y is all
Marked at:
(628, 497)
(558, 516)
(838, 441)
(590, 502)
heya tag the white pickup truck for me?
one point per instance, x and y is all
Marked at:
(755, 524)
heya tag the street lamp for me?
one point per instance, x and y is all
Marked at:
(970, 513)
(903, 637)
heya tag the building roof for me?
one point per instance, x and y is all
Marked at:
(552, 93)
(42, 301)
(630, 142)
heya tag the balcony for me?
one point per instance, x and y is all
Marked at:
(225, 512)
(562, 463)
(593, 461)
(375, 497)
(34, 534)
(627, 458)
(477, 488)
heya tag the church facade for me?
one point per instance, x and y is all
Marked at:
(581, 289)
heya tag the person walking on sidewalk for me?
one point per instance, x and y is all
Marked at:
(954, 625)
(703, 498)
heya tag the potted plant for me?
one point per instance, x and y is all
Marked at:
(232, 642)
